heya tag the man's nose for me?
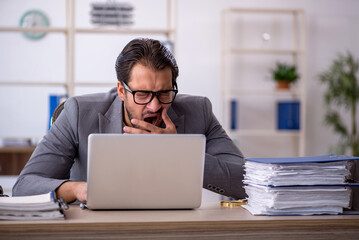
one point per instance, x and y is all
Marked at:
(154, 105)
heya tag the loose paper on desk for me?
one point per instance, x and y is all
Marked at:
(36, 207)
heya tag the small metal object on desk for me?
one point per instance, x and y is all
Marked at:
(63, 204)
(233, 203)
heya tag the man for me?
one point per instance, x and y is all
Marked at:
(145, 101)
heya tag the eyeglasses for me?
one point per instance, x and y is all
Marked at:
(143, 97)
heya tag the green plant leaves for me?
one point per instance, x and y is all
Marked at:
(342, 90)
(285, 72)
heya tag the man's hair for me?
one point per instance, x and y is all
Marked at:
(148, 52)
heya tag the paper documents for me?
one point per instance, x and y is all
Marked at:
(298, 186)
(327, 173)
(37, 207)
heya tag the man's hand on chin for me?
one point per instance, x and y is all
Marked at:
(143, 127)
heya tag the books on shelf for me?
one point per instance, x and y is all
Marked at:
(36, 207)
(298, 186)
(234, 114)
(288, 115)
(54, 101)
(112, 13)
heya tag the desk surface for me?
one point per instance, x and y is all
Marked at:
(210, 221)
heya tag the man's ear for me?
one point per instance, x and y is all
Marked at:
(121, 90)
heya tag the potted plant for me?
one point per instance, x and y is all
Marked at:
(284, 74)
(342, 100)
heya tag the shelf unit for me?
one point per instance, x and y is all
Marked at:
(70, 30)
(13, 159)
(296, 52)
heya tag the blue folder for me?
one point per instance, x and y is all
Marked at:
(312, 159)
(288, 115)
(233, 114)
(54, 101)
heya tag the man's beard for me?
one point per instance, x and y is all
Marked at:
(130, 117)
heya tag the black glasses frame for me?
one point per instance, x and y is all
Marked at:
(175, 91)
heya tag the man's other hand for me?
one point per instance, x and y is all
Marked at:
(70, 191)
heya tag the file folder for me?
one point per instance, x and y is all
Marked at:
(311, 159)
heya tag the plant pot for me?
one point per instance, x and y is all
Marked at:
(281, 85)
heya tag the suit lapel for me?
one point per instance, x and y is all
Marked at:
(111, 121)
(177, 120)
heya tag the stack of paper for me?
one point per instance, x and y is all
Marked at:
(37, 207)
(298, 186)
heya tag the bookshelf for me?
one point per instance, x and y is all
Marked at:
(246, 61)
(12, 159)
(70, 31)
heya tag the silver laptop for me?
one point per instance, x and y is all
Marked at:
(145, 171)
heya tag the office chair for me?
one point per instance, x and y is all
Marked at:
(57, 112)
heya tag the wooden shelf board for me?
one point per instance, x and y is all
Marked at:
(34, 29)
(293, 92)
(32, 83)
(17, 149)
(263, 51)
(263, 10)
(87, 30)
(264, 132)
(95, 84)
(123, 31)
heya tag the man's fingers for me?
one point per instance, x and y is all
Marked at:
(81, 191)
(166, 118)
(132, 130)
(142, 127)
(139, 127)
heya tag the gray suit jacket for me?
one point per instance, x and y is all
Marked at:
(62, 153)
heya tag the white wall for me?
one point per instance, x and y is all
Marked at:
(331, 28)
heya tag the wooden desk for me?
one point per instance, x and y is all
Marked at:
(208, 222)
